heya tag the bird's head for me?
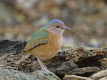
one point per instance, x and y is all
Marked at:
(56, 27)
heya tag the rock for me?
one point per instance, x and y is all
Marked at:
(45, 75)
(8, 74)
(104, 78)
(84, 70)
(74, 77)
(104, 62)
(74, 61)
(99, 75)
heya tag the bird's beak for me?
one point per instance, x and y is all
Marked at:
(66, 28)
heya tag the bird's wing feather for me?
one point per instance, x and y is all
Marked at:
(39, 38)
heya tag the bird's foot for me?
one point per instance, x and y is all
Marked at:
(45, 69)
(42, 65)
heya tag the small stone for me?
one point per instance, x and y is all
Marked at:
(74, 77)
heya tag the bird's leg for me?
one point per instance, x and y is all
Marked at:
(42, 65)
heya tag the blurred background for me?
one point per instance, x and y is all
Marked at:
(19, 19)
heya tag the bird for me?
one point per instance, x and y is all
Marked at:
(46, 42)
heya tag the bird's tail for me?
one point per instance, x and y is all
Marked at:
(22, 57)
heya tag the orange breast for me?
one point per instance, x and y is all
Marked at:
(50, 49)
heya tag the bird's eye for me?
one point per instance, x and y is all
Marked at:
(57, 26)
